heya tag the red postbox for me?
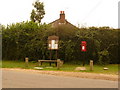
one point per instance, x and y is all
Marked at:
(83, 46)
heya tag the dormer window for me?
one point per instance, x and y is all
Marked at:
(61, 23)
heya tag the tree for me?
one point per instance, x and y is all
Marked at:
(38, 13)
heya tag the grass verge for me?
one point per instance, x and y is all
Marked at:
(113, 68)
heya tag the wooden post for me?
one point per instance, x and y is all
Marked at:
(56, 54)
(91, 65)
(50, 55)
(58, 63)
(39, 63)
(50, 63)
(26, 61)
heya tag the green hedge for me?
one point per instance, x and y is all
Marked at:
(28, 39)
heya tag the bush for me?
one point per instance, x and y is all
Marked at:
(28, 39)
(104, 57)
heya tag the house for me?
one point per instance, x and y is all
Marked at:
(62, 21)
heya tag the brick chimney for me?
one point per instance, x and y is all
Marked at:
(62, 17)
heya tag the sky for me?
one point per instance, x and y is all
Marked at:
(78, 12)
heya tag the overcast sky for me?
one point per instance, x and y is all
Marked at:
(78, 12)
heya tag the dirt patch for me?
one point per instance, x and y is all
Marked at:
(70, 74)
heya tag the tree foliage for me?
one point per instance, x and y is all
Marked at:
(38, 13)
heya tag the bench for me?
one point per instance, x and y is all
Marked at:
(57, 62)
(50, 61)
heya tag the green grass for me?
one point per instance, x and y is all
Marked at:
(17, 64)
(113, 68)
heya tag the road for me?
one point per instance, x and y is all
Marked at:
(20, 79)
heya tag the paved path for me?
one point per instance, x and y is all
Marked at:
(20, 79)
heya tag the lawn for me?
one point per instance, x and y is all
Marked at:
(113, 68)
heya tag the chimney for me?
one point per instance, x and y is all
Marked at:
(62, 17)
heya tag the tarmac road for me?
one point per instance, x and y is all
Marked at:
(20, 79)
